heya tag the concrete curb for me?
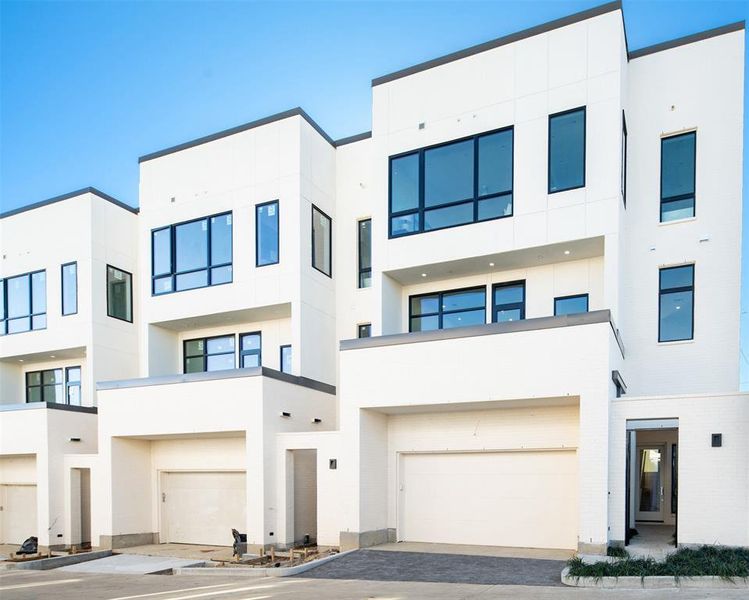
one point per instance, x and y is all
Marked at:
(259, 572)
(654, 582)
(58, 561)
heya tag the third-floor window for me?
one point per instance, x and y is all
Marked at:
(23, 302)
(192, 255)
(677, 176)
(463, 181)
(567, 150)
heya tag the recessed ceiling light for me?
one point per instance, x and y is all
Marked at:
(20, 360)
(491, 264)
(566, 251)
(51, 355)
(423, 274)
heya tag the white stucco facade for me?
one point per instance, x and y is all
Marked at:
(533, 431)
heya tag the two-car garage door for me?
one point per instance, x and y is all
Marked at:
(520, 498)
(202, 507)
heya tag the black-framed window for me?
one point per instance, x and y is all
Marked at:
(567, 150)
(209, 354)
(455, 183)
(23, 302)
(69, 278)
(678, 163)
(624, 160)
(322, 242)
(571, 305)
(365, 252)
(45, 386)
(73, 386)
(119, 294)
(676, 303)
(285, 358)
(364, 330)
(266, 234)
(446, 310)
(193, 254)
(250, 349)
(508, 301)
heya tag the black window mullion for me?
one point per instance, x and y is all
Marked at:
(475, 179)
(421, 191)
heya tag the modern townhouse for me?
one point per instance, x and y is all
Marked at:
(508, 315)
(66, 321)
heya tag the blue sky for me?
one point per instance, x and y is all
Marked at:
(87, 87)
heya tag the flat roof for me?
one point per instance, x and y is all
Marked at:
(74, 194)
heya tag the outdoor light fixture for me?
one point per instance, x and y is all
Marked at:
(286, 414)
(74, 439)
(316, 420)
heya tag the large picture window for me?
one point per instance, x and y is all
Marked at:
(192, 255)
(69, 273)
(322, 242)
(509, 302)
(567, 150)
(446, 310)
(678, 159)
(266, 234)
(676, 304)
(23, 302)
(119, 294)
(209, 354)
(365, 253)
(45, 386)
(451, 184)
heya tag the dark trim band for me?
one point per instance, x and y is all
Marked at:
(353, 138)
(687, 39)
(60, 198)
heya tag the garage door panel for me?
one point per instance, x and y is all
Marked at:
(203, 507)
(526, 499)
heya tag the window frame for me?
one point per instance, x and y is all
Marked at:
(512, 305)
(422, 208)
(62, 288)
(570, 297)
(359, 328)
(583, 109)
(257, 236)
(624, 160)
(106, 281)
(41, 386)
(280, 356)
(363, 270)
(205, 353)
(241, 353)
(77, 384)
(330, 240)
(173, 273)
(672, 290)
(693, 195)
(4, 317)
(440, 312)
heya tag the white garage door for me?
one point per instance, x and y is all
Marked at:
(202, 508)
(523, 499)
(18, 514)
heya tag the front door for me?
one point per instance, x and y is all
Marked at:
(650, 482)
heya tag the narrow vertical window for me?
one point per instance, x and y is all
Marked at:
(365, 253)
(509, 301)
(570, 305)
(624, 161)
(567, 150)
(286, 358)
(119, 294)
(266, 234)
(73, 386)
(678, 159)
(69, 273)
(250, 349)
(364, 330)
(676, 304)
(322, 242)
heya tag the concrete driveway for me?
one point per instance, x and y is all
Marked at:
(378, 565)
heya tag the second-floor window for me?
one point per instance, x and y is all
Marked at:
(119, 294)
(509, 302)
(460, 182)
(445, 310)
(192, 255)
(570, 305)
(73, 386)
(286, 358)
(69, 273)
(365, 253)
(23, 302)
(50, 386)
(678, 157)
(676, 304)
(250, 350)
(322, 242)
(266, 234)
(567, 150)
(209, 354)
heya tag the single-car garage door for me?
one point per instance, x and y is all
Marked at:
(524, 499)
(202, 507)
(18, 514)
